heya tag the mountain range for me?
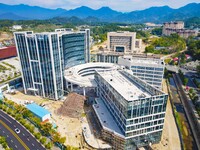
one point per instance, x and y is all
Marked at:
(104, 14)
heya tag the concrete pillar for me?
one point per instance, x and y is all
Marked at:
(71, 87)
(83, 91)
(67, 85)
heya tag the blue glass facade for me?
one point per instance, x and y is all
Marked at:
(75, 48)
(43, 57)
(141, 121)
(41, 64)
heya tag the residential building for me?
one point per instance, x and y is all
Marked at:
(129, 111)
(177, 27)
(150, 70)
(44, 56)
(123, 42)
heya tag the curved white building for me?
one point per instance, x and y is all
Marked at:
(82, 76)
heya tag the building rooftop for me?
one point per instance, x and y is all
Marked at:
(83, 74)
(105, 118)
(37, 110)
(143, 61)
(124, 86)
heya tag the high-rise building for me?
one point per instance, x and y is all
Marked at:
(150, 70)
(44, 56)
(76, 48)
(129, 111)
(124, 42)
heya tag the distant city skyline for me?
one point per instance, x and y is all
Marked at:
(119, 5)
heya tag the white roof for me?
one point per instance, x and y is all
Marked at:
(83, 75)
(146, 61)
(126, 88)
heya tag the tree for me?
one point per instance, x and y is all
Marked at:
(43, 140)
(62, 140)
(38, 135)
(182, 58)
(198, 70)
(46, 129)
(185, 81)
(191, 90)
(157, 31)
(48, 145)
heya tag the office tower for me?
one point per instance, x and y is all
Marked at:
(41, 63)
(123, 42)
(76, 48)
(44, 56)
(129, 111)
(150, 70)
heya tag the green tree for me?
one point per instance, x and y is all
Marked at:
(198, 69)
(157, 31)
(48, 145)
(46, 129)
(43, 140)
(185, 81)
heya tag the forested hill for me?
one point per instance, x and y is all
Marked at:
(104, 14)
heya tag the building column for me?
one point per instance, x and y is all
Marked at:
(71, 87)
(83, 91)
(67, 85)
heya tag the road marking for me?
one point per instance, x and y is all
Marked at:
(23, 134)
(11, 141)
(33, 144)
(6, 119)
(28, 139)
(16, 146)
(15, 135)
(7, 135)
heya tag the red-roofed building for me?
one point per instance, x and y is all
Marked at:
(175, 59)
(8, 52)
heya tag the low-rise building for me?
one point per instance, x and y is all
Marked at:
(7, 52)
(39, 111)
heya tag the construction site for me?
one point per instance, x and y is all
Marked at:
(74, 120)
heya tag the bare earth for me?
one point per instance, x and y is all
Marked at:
(72, 127)
(170, 138)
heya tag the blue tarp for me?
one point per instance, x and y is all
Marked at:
(37, 110)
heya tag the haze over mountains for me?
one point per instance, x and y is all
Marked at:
(104, 14)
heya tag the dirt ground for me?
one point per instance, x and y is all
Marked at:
(5, 36)
(69, 127)
(170, 138)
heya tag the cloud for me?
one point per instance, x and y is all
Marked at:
(120, 5)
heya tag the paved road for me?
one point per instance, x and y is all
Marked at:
(176, 68)
(189, 112)
(22, 141)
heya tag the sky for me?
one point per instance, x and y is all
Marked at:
(119, 5)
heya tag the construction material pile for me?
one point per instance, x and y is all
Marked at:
(72, 106)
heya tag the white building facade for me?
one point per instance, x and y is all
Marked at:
(124, 42)
(150, 70)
